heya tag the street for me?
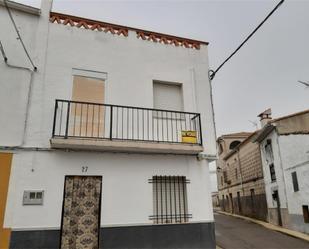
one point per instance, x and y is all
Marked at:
(237, 233)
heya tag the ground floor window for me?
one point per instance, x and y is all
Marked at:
(170, 199)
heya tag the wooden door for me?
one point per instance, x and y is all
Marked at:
(80, 226)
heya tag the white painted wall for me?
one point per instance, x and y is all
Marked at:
(291, 154)
(15, 82)
(295, 157)
(126, 196)
(279, 184)
(131, 65)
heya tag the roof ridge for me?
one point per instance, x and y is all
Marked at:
(289, 116)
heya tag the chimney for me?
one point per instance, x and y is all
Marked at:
(265, 117)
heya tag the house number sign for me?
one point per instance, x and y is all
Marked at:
(85, 169)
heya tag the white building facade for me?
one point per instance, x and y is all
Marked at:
(107, 143)
(284, 144)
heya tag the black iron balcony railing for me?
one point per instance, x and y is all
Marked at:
(74, 119)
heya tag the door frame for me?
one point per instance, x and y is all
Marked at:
(100, 206)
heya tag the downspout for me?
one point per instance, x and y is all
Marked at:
(240, 171)
(283, 176)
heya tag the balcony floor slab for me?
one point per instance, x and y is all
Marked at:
(125, 146)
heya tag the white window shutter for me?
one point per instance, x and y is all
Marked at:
(167, 96)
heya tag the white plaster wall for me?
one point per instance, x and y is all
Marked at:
(130, 65)
(15, 82)
(295, 157)
(279, 184)
(126, 196)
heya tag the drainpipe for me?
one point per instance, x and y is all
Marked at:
(240, 171)
(281, 166)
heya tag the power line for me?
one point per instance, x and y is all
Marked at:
(18, 34)
(212, 73)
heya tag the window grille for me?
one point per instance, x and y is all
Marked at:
(169, 199)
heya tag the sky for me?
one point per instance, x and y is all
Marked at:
(263, 74)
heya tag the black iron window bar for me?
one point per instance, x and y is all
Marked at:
(75, 119)
(170, 199)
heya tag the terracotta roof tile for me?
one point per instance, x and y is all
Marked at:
(115, 29)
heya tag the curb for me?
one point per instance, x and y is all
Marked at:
(267, 225)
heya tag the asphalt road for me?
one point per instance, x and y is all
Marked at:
(238, 233)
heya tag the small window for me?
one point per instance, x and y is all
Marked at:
(221, 180)
(167, 96)
(236, 173)
(272, 172)
(269, 152)
(32, 197)
(234, 144)
(306, 213)
(169, 199)
(295, 181)
(225, 176)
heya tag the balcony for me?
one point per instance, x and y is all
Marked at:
(104, 127)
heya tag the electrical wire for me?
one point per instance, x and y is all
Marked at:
(18, 34)
(212, 73)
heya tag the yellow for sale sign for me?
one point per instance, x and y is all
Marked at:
(189, 137)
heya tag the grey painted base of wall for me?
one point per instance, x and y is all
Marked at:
(273, 217)
(297, 223)
(255, 207)
(191, 235)
(291, 221)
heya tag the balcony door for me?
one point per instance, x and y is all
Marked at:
(87, 120)
(80, 226)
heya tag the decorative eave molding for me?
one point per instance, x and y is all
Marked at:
(80, 22)
(167, 39)
(88, 24)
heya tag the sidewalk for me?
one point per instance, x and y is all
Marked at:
(286, 231)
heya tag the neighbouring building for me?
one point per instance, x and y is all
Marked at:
(240, 176)
(284, 145)
(107, 143)
(215, 199)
